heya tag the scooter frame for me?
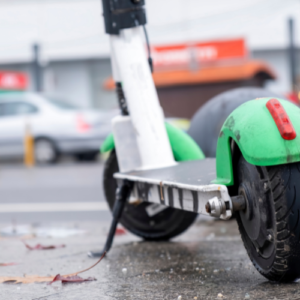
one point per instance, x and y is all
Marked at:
(141, 139)
(257, 157)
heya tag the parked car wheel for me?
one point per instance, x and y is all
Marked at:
(87, 156)
(208, 120)
(45, 151)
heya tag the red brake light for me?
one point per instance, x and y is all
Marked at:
(281, 119)
(82, 125)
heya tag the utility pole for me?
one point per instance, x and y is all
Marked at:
(37, 69)
(292, 55)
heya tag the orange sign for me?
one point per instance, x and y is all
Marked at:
(13, 81)
(187, 54)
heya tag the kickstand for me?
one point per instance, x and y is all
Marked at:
(122, 194)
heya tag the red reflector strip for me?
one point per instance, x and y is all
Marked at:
(281, 119)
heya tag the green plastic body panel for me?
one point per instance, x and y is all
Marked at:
(183, 146)
(254, 130)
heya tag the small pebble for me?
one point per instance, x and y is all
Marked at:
(216, 271)
(202, 269)
(197, 269)
(179, 298)
(195, 298)
(183, 270)
(247, 296)
(124, 271)
(220, 295)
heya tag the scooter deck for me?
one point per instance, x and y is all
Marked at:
(186, 185)
(190, 173)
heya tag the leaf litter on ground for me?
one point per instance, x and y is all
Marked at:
(42, 247)
(8, 264)
(73, 277)
(120, 231)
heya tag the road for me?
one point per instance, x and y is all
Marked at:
(64, 192)
(207, 262)
(65, 204)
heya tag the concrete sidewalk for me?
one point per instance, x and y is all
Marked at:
(209, 259)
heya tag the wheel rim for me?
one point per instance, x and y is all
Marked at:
(257, 222)
(44, 151)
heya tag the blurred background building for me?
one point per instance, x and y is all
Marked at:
(66, 39)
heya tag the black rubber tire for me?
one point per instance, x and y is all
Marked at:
(52, 146)
(276, 192)
(208, 120)
(163, 226)
(87, 156)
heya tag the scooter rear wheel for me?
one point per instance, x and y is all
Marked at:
(269, 225)
(162, 226)
(209, 118)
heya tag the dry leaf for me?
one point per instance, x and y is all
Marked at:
(36, 278)
(41, 247)
(25, 279)
(120, 231)
(65, 279)
(7, 264)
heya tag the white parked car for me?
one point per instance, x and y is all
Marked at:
(57, 127)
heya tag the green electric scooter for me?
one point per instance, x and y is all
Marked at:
(157, 180)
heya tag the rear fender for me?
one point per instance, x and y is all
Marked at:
(183, 146)
(254, 130)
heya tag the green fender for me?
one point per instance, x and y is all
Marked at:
(183, 146)
(254, 130)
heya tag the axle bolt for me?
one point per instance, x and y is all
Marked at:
(208, 207)
(269, 237)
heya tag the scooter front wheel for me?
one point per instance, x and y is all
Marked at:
(162, 225)
(269, 225)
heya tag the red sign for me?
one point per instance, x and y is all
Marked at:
(187, 54)
(13, 81)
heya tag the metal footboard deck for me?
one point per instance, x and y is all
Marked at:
(186, 185)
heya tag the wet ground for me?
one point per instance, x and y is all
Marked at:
(206, 262)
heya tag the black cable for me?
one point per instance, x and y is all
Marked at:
(150, 61)
(149, 50)
(121, 99)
